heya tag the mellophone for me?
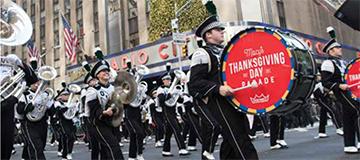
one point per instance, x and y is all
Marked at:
(270, 71)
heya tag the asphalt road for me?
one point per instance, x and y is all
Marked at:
(301, 142)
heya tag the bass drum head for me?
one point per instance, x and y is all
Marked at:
(263, 56)
(352, 78)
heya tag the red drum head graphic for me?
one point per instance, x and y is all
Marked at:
(258, 56)
(352, 78)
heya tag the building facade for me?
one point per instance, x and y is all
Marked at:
(117, 26)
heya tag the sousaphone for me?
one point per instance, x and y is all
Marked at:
(15, 25)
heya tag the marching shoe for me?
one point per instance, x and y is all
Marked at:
(167, 154)
(68, 156)
(131, 158)
(140, 157)
(277, 146)
(191, 148)
(208, 155)
(252, 137)
(183, 152)
(282, 143)
(59, 154)
(351, 149)
(322, 135)
(158, 144)
(339, 132)
(358, 145)
(267, 135)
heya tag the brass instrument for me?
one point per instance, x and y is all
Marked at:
(140, 71)
(15, 29)
(15, 25)
(13, 85)
(71, 103)
(40, 105)
(175, 90)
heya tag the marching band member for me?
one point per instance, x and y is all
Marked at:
(97, 98)
(134, 124)
(332, 71)
(324, 100)
(209, 95)
(35, 110)
(90, 129)
(172, 125)
(67, 127)
(277, 129)
(192, 117)
(157, 118)
(8, 66)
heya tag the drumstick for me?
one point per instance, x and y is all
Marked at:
(252, 85)
(355, 84)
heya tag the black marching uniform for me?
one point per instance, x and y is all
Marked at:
(332, 71)
(35, 131)
(324, 101)
(67, 129)
(213, 108)
(90, 129)
(136, 130)
(172, 125)
(7, 66)
(97, 99)
(157, 119)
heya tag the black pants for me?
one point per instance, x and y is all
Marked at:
(210, 128)
(193, 122)
(235, 130)
(35, 136)
(350, 117)
(95, 146)
(109, 146)
(326, 107)
(277, 128)
(262, 121)
(172, 126)
(158, 119)
(7, 126)
(67, 130)
(136, 131)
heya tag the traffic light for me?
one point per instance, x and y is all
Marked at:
(184, 50)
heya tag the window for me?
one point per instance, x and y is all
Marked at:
(42, 27)
(42, 5)
(32, 9)
(56, 54)
(24, 5)
(133, 25)
(56, 1)
(281, 11)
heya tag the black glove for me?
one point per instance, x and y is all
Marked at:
(30, 107)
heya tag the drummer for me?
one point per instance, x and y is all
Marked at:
(332, 70)
(209, 96)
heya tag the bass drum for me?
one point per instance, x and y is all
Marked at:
(279, 63)
(352, 78)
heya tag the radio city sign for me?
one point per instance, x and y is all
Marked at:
(147, 54)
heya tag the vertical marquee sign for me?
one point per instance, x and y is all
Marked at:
(352, 78)
(260, 55)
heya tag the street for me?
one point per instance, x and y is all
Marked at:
(301, 142)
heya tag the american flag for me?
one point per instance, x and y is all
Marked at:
(71, 41)
(33, 51)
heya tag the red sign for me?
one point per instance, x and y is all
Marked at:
(352, 78)
(259, 57)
